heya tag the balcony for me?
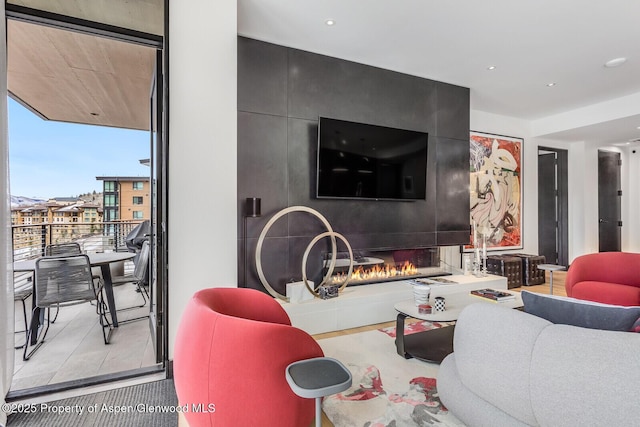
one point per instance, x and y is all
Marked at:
(73, 348)
(30, 240)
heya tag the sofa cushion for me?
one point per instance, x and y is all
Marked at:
(586, 314)
(493, 356)
(585, 377)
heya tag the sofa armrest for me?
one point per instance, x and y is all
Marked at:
(465, 404)
(610, 267)
(493, 347)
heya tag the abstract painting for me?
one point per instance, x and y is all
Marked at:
(495, 164)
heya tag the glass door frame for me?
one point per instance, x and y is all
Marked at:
(39, 17)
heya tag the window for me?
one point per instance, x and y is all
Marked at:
(137, 200)
(109, 186)
(110, 200)
(137, 214)
(138, 185)
(110, 215)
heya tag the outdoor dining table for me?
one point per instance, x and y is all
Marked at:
(101, 260)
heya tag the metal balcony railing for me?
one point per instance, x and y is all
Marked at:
(29, 241)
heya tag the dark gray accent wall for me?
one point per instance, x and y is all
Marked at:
(281, 94)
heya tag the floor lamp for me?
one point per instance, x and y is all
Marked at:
(252, 209)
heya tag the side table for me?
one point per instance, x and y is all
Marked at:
(316, 378)
(550, 268)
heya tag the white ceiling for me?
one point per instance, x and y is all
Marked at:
(530, 42)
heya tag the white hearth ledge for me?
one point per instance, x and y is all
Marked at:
(370, 304)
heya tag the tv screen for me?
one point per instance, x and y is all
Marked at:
(363, 161)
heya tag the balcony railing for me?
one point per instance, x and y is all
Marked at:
(29, 241)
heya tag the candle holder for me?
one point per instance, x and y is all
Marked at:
(477, 263)
(484, 266)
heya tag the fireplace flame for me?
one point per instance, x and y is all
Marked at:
(377, 272)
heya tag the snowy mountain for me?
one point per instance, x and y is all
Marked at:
(24, 201)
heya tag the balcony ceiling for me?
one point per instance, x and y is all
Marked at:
(531, 44)
(77, 78)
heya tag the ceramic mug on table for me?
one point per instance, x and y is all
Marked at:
(439, 304)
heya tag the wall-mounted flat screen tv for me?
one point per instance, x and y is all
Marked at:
(364, 161)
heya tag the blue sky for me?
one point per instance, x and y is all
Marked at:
(52, 159)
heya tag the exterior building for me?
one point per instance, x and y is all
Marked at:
(77, 213)
(126, 198)
(34, 214)
(91, 213)
(54, 213)
(40, 224)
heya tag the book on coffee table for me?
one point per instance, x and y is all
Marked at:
(493, 295)
(433, 281)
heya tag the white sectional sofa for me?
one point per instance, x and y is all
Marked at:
(510, 368)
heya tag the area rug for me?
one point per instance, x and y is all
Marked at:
(387, 390)
(413, 327)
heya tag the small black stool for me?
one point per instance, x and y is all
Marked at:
(316, 378)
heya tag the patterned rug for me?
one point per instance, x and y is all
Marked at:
(413, 327)
(387, 390)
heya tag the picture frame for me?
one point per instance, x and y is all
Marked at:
(495, 191)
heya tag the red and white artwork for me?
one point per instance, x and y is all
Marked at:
(495, 165)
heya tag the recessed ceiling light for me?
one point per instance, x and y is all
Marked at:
(615, 62)
(551, 84)
(638, 127)
(491, 67)
(330, 22)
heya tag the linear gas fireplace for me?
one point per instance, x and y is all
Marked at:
(374, 266)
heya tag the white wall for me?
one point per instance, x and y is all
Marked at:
(582, 185)
(202, 153)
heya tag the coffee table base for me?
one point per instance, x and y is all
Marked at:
(431, 346)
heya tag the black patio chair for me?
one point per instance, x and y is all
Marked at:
(55, 249)
(140, 279)
(22, 290)
(60, 280)
(70, 248)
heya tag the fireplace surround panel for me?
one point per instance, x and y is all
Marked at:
(281, 93)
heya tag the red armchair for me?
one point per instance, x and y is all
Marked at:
(606, 277)
(231, 351)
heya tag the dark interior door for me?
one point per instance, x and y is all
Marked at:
(547, 207)
(609, 201)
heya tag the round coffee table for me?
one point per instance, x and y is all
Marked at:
(435, 344)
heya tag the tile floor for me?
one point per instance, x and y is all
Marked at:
(74, 347)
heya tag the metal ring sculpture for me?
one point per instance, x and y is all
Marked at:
(329, 233)
(333, 235)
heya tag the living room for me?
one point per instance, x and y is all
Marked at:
(205, 134)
